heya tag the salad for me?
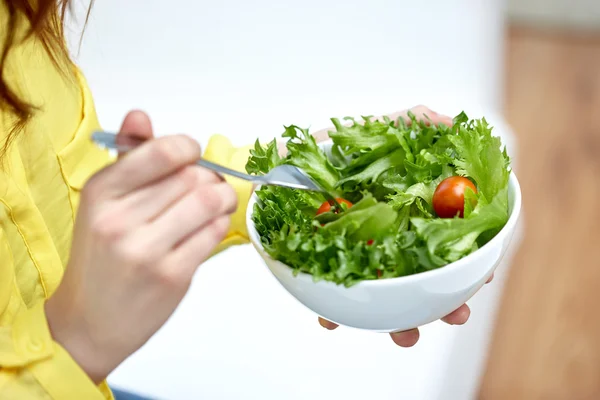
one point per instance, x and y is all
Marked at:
(414, 197)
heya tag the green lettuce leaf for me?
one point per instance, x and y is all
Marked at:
(480, 157)
(371, 173)
(304, 153)
(420, 190)
(366, 223)
(263, 159)
(448, 240)
(390, 170)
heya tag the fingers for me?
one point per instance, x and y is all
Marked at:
(147, 163)
(327, 324)
(136, 127)
(402, 339)
(192, 212)
(147, 203)
(195, 249)
(320, 136)
(459, 316)
(406, 338)
(425, 114)
(409, 338)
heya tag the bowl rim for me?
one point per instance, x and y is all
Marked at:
(513, 185)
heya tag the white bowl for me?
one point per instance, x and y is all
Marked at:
(397, 304)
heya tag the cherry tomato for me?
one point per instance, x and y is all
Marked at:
(449, 196)
(326, 207)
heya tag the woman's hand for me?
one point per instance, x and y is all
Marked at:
(457, 317)
(144, 226)
(409, 338)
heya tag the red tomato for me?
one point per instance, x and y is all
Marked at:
(449, 196)
(326, 207)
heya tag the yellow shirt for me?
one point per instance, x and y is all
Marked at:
(39, 193)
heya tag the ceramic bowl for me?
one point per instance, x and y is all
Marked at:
(397, 304)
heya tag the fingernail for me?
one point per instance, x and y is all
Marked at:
(326, 324)
(406, 338)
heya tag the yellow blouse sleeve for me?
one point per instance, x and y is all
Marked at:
(32, 364)
(221, 151)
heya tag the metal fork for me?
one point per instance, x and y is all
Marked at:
(283, 175)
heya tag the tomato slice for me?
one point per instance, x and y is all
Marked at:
(326, 206)
(449, 196)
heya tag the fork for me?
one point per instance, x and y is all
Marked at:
(283, 175)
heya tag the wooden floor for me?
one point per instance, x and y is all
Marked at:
(547, 342)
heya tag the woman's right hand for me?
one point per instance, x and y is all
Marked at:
(144, 225)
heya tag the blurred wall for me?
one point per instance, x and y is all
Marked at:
(573, 14)
(249, 67)
(546, 342)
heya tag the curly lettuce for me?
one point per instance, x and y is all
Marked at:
(390, 170)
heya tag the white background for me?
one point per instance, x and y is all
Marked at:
(244, 69)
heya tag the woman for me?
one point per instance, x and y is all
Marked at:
(96, 255)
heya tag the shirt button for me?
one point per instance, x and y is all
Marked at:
(35, 345)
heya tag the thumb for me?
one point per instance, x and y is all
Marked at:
(136, 128)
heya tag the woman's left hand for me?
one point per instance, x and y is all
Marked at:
(459, 316)
(409, 338)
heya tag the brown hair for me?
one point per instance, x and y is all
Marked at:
(45, 19)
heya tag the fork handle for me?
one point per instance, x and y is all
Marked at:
(224, 170)
(109, 141)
